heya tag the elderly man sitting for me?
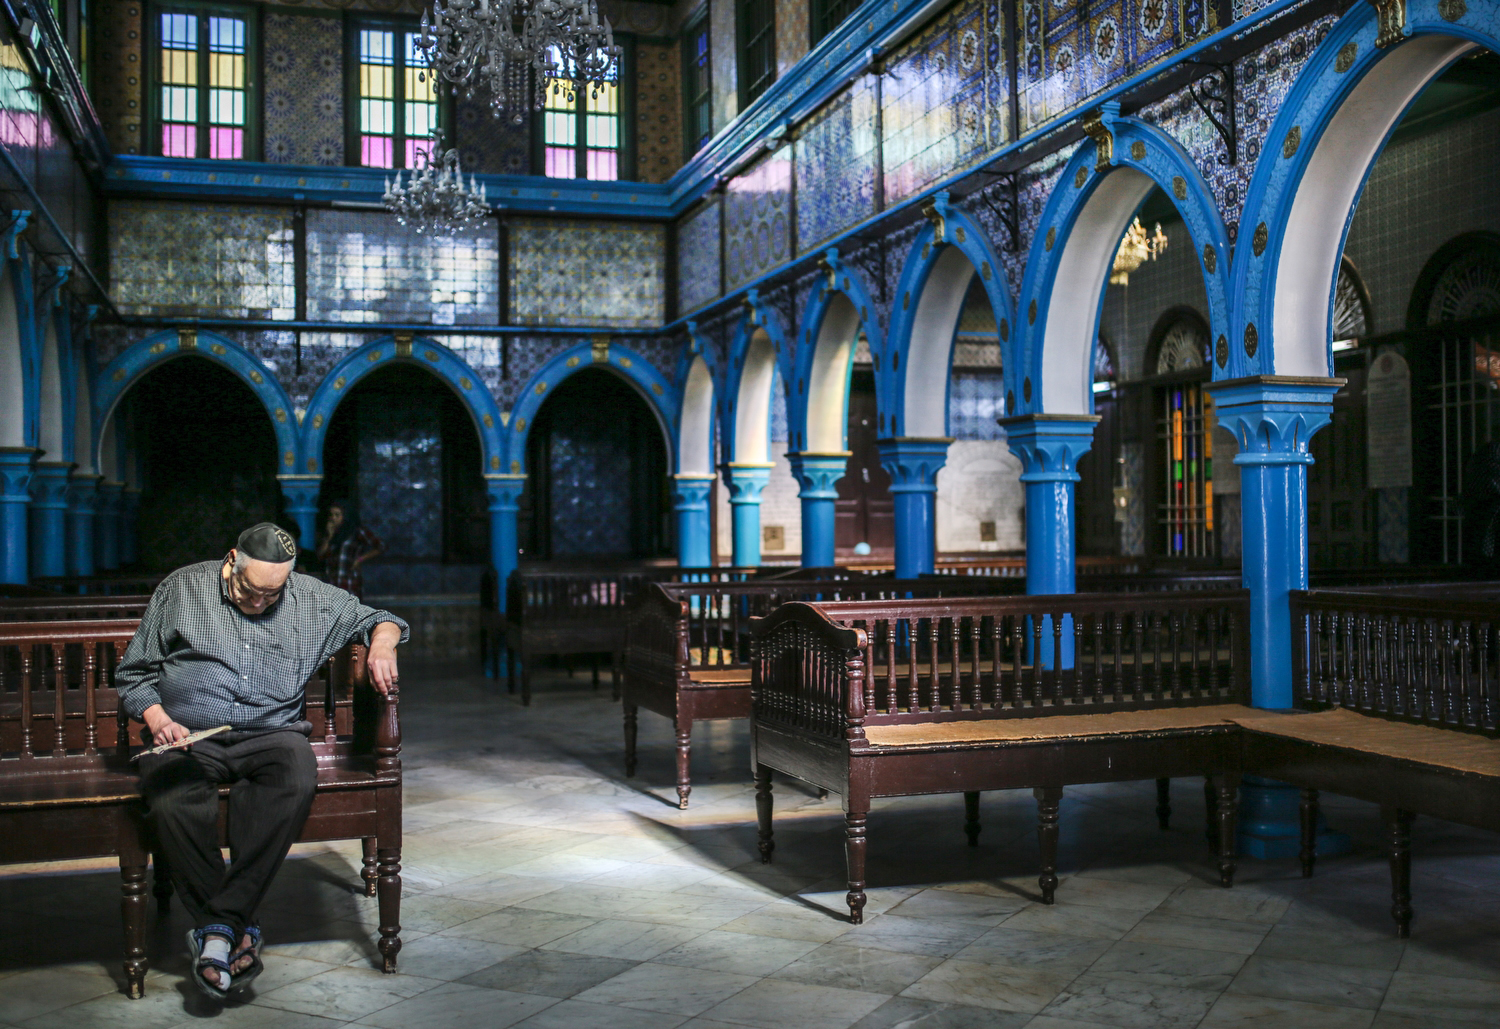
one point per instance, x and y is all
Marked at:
(234, 642)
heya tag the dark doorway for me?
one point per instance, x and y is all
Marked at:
(864, 511)
(208, 462)
(597, 473)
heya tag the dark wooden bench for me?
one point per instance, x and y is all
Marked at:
(64, 608)
(688, 651)
(1398, 697)
(127, 584)
(962, 695)
(69, 790)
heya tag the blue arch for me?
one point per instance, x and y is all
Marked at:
(1153, 154)
(838, 279)
(130, 364)
(758, 315)
(947, 229)
(621, 360)
(1338, 67)
(424, 353)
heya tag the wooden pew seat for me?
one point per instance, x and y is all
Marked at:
(1361, 734)
(1057, 728)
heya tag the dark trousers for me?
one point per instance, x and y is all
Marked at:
(271, 778)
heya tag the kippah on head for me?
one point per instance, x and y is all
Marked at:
(267, 542)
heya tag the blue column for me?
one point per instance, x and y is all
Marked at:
(107, 526)
(913, 466)
(1049, 447)
(301, 493)
(16, 466)
(81, 496)
(49, 519)
(130, 540)
(746, 482)
(694, 545)
(505, 496)
(1273, 418)
(816, 475)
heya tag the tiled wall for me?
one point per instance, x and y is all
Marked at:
(835, 164)
(304, 98)
(757, 219)
(698, 278)
(658, 110)
(587, 273)
(981, 482)
(116, 73)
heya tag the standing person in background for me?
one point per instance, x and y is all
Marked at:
(344, 546)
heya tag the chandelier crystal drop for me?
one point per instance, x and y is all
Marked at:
(435, 201)
(496, 42)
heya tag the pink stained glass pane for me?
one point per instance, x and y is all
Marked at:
(179, 141)
(604, 165)
(226, 144)
(375, 151)
(417, 151)
(560, 163)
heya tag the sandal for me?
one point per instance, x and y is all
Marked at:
(247, 976)
(197, 940)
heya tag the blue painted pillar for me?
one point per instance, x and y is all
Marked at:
(107, 526)
(49, 519)
(746, 482)
(816, 475)
(81, 496)
(913, 465)
(1273, 418)
(16, 469)
(505, 554)
(301, 493)
(694, 545)
(1049, 447)
(130, 540)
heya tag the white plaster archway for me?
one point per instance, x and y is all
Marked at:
(83, 423)
(1073, 311)
(929, 355)
(752, 408)
(50, 434)
(695, 446)
(12, 371)
(828, 378)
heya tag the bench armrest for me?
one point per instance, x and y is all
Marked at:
(808, 673)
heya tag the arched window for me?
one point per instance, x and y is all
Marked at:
(1178, 355)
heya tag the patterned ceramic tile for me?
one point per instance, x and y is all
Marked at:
(722, 83)
(304, 97)
(201, 259)
(793, 33)
(116, 70)
(491, 143)
(587, 273)
(698, 254)
(362, 266)
(757, 209)
(658, 111)
(836, 151)
(975, 400)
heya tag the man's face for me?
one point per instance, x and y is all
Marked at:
(258, 586)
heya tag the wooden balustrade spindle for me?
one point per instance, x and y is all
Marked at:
(59, 699)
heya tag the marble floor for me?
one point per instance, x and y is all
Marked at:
(545, 891)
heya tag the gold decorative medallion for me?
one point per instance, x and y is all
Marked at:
(187, 339)
(289, 459)
(1080, 178)
(958, 234)
(1221, 351)
(1031, 312)
(256, 377)
(1210, 258)
(624, 362)
(906, 300)
(218, 348)
(281, 415)
(599, 349)
(1179, 187)
(520, 424)
(119, 374)
(1051, 238)
(317, 421)
(926, 251)
(374, 356)
(403, 344)
(158, 348)
(489, 422)
(1138, 150)
(656, 388)
(1259, 240)
(312, 464)
(1452, 10)
(338, 383)
(1345, 60)
(1293, 141)
(1252, 339)
(515, 468)
(495, 463)
(1010, 401)
(984, 269)
(541, 388)
(430, 355)
(464, 383)
(1026, 389)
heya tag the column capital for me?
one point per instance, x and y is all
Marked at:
(817, 473)
(504, 490)
(746, 480)
(913, 462)
(49, 485)
(1274, 416)
(691, 491)
(1049, 445)
(17, 464)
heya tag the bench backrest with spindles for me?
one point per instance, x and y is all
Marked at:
(59, 608)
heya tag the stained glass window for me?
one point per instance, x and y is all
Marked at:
(397, 106)
(204, 82)
(581, 127)
(697, 86)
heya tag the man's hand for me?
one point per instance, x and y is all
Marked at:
(382, 660)
(163, 729)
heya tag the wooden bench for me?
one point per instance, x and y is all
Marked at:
(128, 584)
(688, 651)
(65, 608)
(69, 790)
(906, 697)
(1399, 704)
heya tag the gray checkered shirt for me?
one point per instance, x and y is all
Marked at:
(209, 664)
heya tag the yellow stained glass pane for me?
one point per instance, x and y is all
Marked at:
(605, 103)
(419, 88)
(226, 71)
(179, 67)
(375, 80)
(558, 91)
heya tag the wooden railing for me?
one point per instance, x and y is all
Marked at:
(1430, 655)
(832, 668)
(58, 608)
(102, 585)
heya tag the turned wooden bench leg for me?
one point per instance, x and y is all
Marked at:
(1398, 838)
(1048, 801)
(631, 719)
(133, 916)
(684, 728)
(388, 890)
(370, 873)
(1164, 804)
(1226, 810)
(971, 816)
(854, 854)
(1308, 852)
(616, 670)
(763, 803)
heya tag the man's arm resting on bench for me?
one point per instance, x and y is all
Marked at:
(382, 660)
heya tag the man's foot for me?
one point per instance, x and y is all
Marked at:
(245, 963)
(209, 949)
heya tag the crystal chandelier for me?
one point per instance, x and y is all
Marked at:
(1136, 248)
(435, 202)
(497, 41)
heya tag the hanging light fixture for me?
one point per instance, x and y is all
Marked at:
(497, 41)
(1136, 248)
(435, 201)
